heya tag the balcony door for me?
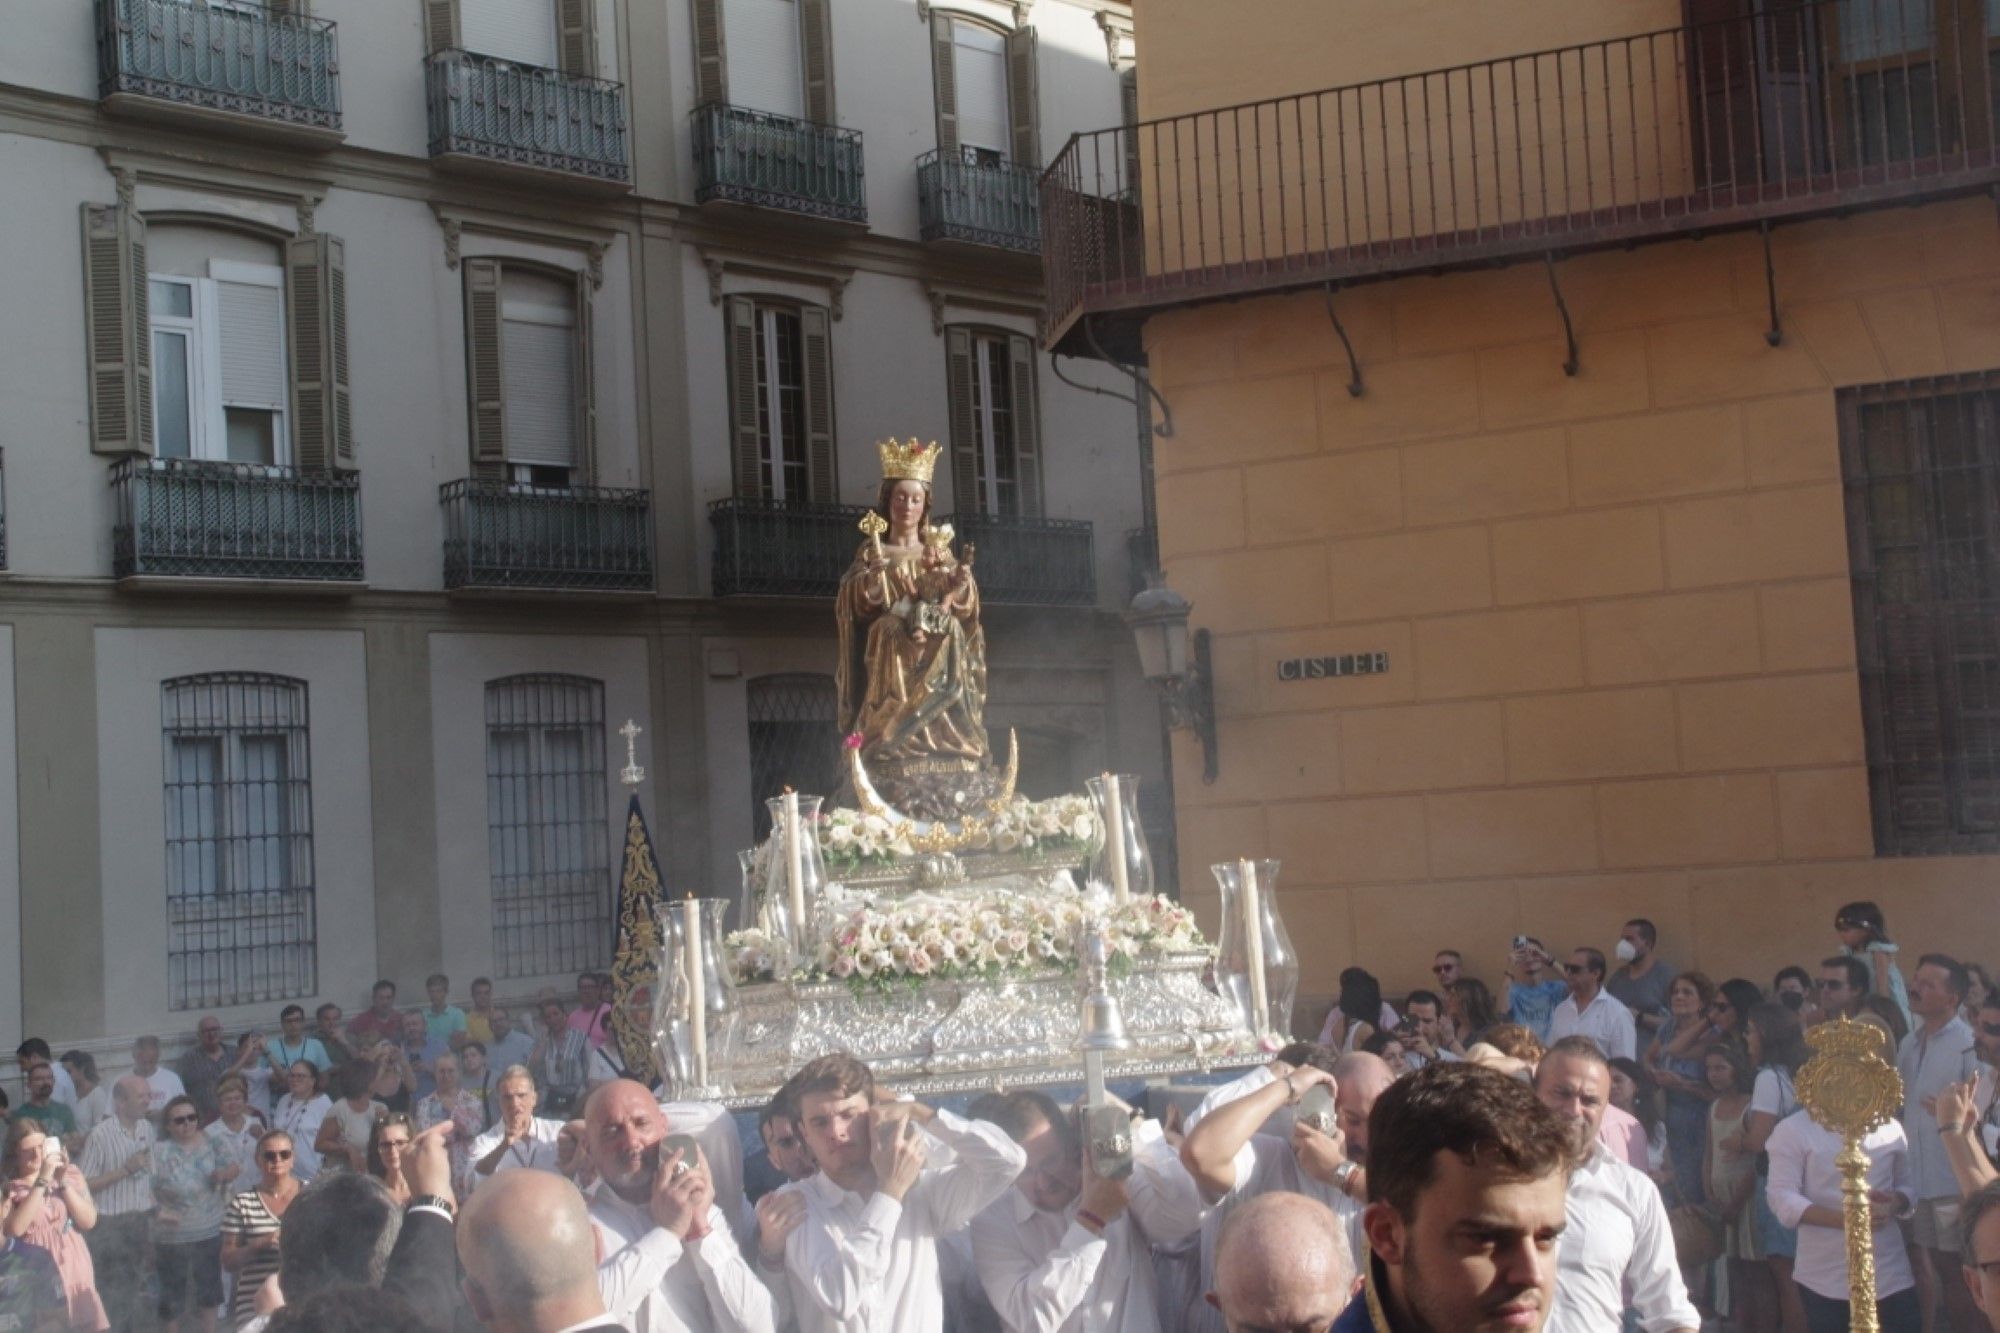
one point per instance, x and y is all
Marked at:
(766, 61)
(979, 62)
(520, 31)
(220, 390)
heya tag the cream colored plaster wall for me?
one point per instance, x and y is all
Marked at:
(1617, 609)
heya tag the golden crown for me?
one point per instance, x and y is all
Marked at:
(910, 460)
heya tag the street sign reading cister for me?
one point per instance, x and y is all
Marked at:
(1328, 668)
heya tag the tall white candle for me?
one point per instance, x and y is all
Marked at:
(1253, 938)
(1114, 834)
(697, 990)
(795, 874)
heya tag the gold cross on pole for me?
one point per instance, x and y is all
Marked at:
(632, 775)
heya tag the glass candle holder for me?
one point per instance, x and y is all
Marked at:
(1255, 964)
(1123, 863)
(795, 876)
(695, 1006)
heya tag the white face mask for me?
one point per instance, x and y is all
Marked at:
(1626, 951)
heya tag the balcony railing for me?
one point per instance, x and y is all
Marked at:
(754, 157)
(276, 68)
(983, 203)
(499, 535)
(179, 517)
(774, 548)
(1791, 112)
(495, 113)
(1030, 561)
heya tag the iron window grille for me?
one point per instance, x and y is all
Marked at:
(1922, 466)
(241, 924)
(794, 740)
(548, 843)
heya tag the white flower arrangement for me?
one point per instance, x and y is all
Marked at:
(879, 945)
(849, 838)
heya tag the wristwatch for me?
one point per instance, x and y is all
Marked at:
(449, 1206)
(1344, 1173)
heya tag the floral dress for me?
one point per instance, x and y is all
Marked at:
(468, 1123)
(55, 1232)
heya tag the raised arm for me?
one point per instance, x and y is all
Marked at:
(1211, 1149)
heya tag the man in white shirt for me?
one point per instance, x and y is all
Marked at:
(162, 1085)
(864, 1258)
(1591, 1011)
(1804, 1192)
(1066, 1249)
(117, 1164)
(669, 1262)
(520, 1139)
(1938, 1052)
(1232, 1161)
(1618, 1249)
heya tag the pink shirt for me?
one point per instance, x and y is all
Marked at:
(591, 1024)
(1624, 1137)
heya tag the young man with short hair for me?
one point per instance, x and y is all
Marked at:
(379, 1022)
(41, 1104)
(1529, 995)
(444, 1022)
(1642, 981)
(1842, 987)
(1467, 1179)
(163, 1084)
(1938, 1053)
(479, 1018)
(1591, 1011)
(863, 1259)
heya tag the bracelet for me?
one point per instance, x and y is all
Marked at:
(1291, 1092)
(1091, 1220)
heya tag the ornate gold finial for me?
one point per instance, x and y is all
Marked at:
(1850, 1090)
(908, 460)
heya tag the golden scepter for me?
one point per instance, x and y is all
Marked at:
(1849, 1089)
(874, 525)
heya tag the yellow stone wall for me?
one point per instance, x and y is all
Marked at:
(1617, 608)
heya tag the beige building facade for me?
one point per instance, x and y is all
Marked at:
(1675, 531)
(382, 382)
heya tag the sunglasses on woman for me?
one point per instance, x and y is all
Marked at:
(282, 1156)
(182, 1119)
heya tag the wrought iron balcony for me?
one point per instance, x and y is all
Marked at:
(488, 114)
(991, 203)
(1787, 112)
(264, 73)
(1031, 561)
(185, 518)
(754, 157)
(773, 548)
(499, 535)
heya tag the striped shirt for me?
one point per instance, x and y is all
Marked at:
(105, 1153)
(249, 1219)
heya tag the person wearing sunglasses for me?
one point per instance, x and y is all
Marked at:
(1591, 1011)
(251, 1220)
(1842, 987)
(190, 1176)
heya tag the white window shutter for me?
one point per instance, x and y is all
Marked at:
(538, 347)
(252, 340)
(521, 31)
(981, 61)
(765, 68)
(120, 337)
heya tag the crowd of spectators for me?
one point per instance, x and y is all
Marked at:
(1620, 1146)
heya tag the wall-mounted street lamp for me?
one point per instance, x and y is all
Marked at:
(1159, 621)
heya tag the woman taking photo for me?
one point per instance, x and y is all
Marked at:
(250, 1222)
(300, 1113)
(49, 1205)
(1677, 1061)
(388, 1148)
(190, 1178)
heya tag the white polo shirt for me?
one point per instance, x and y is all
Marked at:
(1617, 1251)
(1604, 1020)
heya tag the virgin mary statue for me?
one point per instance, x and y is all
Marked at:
(912, 670)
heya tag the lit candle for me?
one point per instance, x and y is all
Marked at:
(1114, 833)
(697, 990)
(795, 874)
(1253, 936)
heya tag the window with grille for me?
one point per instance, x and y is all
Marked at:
(1922, 461)
(547, 839)
(794, 740)
(240, 909)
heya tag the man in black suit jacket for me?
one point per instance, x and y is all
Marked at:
(530, 1256)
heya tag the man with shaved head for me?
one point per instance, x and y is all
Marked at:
(669, 1262)
(530, 1257)
(1282, 1262)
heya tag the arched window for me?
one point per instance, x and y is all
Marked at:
(240, 910)
(794, 739)
(547, 840)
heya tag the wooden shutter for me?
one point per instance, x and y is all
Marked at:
(740, 319)
(958, 371)
(1021, 98)
(586, 385)
(1026, 418)
(119, 327)
(316, 304)
(944, 77)
(711, 72)
(441, 25)
(816, 24)
(1128, 106)
(483, 380)
(816, 353)
(576, 36)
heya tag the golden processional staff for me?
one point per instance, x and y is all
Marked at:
(1851, 1091)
